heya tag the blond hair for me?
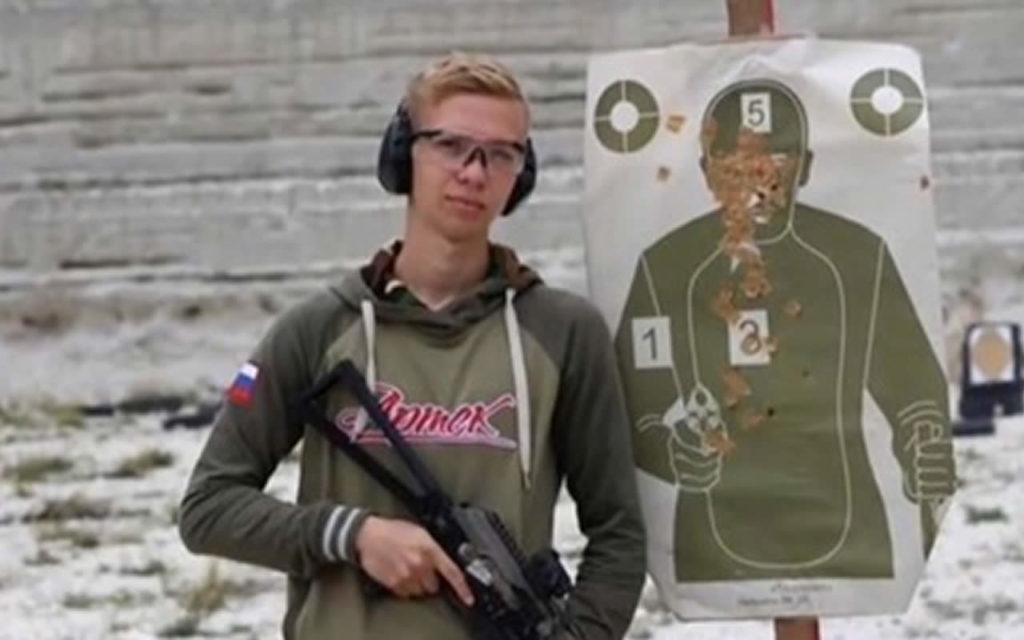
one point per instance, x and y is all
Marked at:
(461, 73)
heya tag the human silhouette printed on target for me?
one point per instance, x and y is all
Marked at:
(749, 341)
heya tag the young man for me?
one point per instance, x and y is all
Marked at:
(502, 385)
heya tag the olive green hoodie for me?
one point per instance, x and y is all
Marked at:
(503, 393)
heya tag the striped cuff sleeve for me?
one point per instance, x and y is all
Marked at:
(340, 532)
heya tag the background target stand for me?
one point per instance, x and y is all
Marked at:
(991, 376)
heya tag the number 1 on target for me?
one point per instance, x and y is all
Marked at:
(652, 343)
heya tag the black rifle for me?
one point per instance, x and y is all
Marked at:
(515, 597)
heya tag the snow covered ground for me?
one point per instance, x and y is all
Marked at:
(88, 545)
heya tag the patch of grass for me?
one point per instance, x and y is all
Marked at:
(77, 537)
(151, 568)
(209, 595)
(126, 537)
(1000, 607)
(184, 627)
(121, 599)
(17, 416)
(945, 610)
(42, 558)
(37, 468)
(79, 601)
(977, 515)
(139, 465)
(84, 539)
(48, 412)
(76, 507)
(174, 513)
(213, 591)
(1013, 552)
(64, 415)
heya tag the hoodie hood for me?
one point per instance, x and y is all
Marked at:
(505, 273)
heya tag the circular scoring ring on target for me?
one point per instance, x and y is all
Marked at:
(647, 116)
(877, 122)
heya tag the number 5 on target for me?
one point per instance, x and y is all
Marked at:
(757, 111)
(652, 343)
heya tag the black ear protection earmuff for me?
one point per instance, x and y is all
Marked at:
(394, 162)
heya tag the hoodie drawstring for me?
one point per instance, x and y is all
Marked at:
(519, 381)
(522, 390)
(369, 330)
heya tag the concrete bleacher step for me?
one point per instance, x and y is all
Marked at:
(180, 132)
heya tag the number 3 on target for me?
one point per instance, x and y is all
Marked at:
(652, 343)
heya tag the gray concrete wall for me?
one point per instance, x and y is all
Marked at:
(166, 134)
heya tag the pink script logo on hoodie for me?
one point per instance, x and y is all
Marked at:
(465, 424)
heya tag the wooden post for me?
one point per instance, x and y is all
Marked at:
(751, 17)
(757, 18)
(797, 629)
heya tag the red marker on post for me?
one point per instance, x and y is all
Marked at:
(751, 17)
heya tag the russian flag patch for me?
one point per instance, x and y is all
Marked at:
(241, 390)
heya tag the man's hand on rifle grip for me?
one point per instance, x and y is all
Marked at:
(404, 558)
